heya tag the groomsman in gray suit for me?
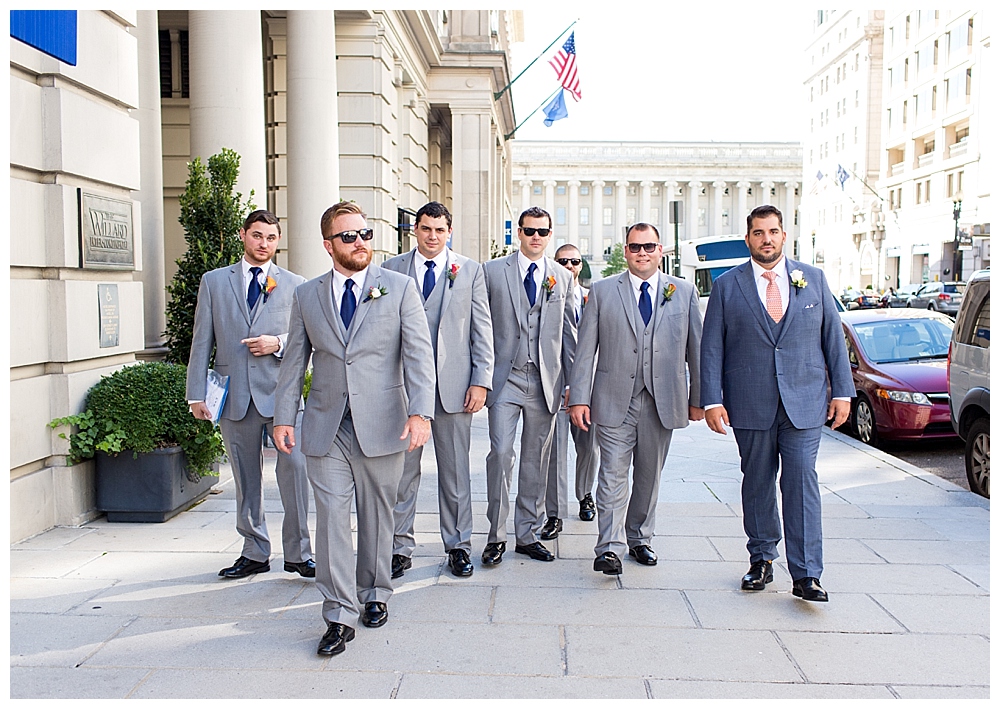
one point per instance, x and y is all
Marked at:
(534, 337)
(372, 400)
(642, 327)
(557, 490)
(242, 313)
(453, 289)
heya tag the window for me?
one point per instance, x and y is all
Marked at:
(584, 216)
(855, 135)
(630, 215)
(702, 217)
(654, 215)
(537, 189)
(609, 216)
(980, 335)
(725, 217)
(561, 216)
(561, 189)
(857, 98)
(654, 191)
(961, 134)
(609, 191)
(584, 190)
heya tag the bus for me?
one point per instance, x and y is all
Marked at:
(705, 259)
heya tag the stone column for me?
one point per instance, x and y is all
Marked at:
(313, 137)
(472, 156)
(150, 196)
(621, 194)
(741, 208)
(691, 218)
(597, 218)
(525, 194)
(227, 92)
(573, 235)
(550, 199)
(788, 214)
(669, 195)
(644, 200)
(765, 192)
(718, 192)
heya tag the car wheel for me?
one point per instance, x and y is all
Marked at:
(931, 306)
(863, 421)
(977, 457)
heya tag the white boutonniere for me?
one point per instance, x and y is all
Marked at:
(375, 292)
(798, 279)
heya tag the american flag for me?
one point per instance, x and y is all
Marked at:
(564, 62)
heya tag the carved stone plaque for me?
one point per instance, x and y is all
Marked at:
(106, 232)
(107, 294)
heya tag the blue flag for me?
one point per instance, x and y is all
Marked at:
(556, 109)
(842, 175)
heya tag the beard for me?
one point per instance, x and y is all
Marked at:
(353, 260)
(764, 259)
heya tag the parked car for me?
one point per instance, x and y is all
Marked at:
(969, 380)
(901, 298)
(856, 299)
(945, 297)
(899, 363)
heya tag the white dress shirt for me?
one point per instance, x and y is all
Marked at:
(339, 279)
(637, 286)
(522, 266)
(781, 271)
(440, 265)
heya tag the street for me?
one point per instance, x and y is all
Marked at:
(943, 457)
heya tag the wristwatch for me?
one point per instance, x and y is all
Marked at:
(425, 418)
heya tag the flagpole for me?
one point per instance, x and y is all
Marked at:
(868, 186)
(496, 96)
(551, 96)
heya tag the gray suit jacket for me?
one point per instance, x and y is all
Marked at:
(222, 319)
(465, 333)
(557, 326)
(383, 369)
(610, 330)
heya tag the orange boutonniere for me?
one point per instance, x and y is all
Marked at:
(668, 293)
(549, 284)
(269, 286)
(452, 274)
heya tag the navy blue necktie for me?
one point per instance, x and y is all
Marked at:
(348, 304)
(253, 292)
(529, 284)
(645, 304)
(429, 279)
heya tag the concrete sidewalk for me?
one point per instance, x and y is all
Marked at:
(137, 610)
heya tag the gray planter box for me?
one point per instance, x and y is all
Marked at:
(151, 488)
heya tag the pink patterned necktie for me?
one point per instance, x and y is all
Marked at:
(773, 296)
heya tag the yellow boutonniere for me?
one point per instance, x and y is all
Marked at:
(668, 293)
(549, 285)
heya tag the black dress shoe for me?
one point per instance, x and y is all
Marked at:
(551, 528)
(493, 553)
(644, 554)
(245, 567)
(760, 573)
(458, 562)
(335, 639)
(808, 589)
(587, 508)
(375, 615)
(305, 568)
(536, 551)
(608, 563)
(400, 564)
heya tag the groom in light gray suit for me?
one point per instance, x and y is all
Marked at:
(773, 355)
(242, 312)
(642, 327)
(372, 400)
(534, 337)
(453, 289)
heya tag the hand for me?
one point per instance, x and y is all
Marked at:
(280, 434)
(696, 414)
(200, 411)
(418, 430)
(263, 345)
(579, 414)
(838, 411)
(475, 397)
(716, 417)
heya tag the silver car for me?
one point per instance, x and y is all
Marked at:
(969, 380)
(939, 295)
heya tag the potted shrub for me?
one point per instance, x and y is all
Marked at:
(152, 457)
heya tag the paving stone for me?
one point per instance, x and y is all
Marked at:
(455, 686)
(879, 528)
(917, 691)
(54, 538)
(689, 575)
(979, 574)
(58, 640)
(48, 563)
(929, 552)
(47, 595)
(74, 682)
(960, 615)
(680, 689)
(321, 683)
(609, 607)
(896, 578)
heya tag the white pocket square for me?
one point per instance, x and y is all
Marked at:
(811, 305)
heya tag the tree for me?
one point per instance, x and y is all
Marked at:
(616, 262)
(211, 215)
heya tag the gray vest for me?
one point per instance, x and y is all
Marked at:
(432, 306)
(527, 350)
(644, 357)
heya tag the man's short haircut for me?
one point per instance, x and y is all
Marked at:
(339, 209)
(434, 210)
(261, 215)
(763, 212)
(537, 213)
(642, 226)
(567, 247)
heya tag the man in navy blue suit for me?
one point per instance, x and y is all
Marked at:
(772, 345)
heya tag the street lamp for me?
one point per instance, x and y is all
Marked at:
(956, 264)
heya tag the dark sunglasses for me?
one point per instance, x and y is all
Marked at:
(530, 231)
(567, 261)
(349, 237)
(650, 247)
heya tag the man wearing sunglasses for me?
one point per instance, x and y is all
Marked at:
(242, 314)
(453, 290)
(534, 338)
(642, 327)
(372, 400)
(556, 494)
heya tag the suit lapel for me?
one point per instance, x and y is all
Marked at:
(364, 302)
(514, 283)
(446, 296)
(749, 288)
(793, 300)
(659, 307)
(263, 298)
(236, 280)
(625, 291)
(326, 305)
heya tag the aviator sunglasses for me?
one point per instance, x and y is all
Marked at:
(349, 237)
(567, 261)
(530, 231)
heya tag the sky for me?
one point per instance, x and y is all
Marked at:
(669, 72)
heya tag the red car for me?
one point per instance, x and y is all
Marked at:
(899, 362)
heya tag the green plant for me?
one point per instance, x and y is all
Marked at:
(307, 383)
(141, 408)
(211, 215)
(616, 262)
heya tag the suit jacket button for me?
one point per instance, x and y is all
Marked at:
(350, 361)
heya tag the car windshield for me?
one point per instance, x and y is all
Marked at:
(954, 287)
(904, 340)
